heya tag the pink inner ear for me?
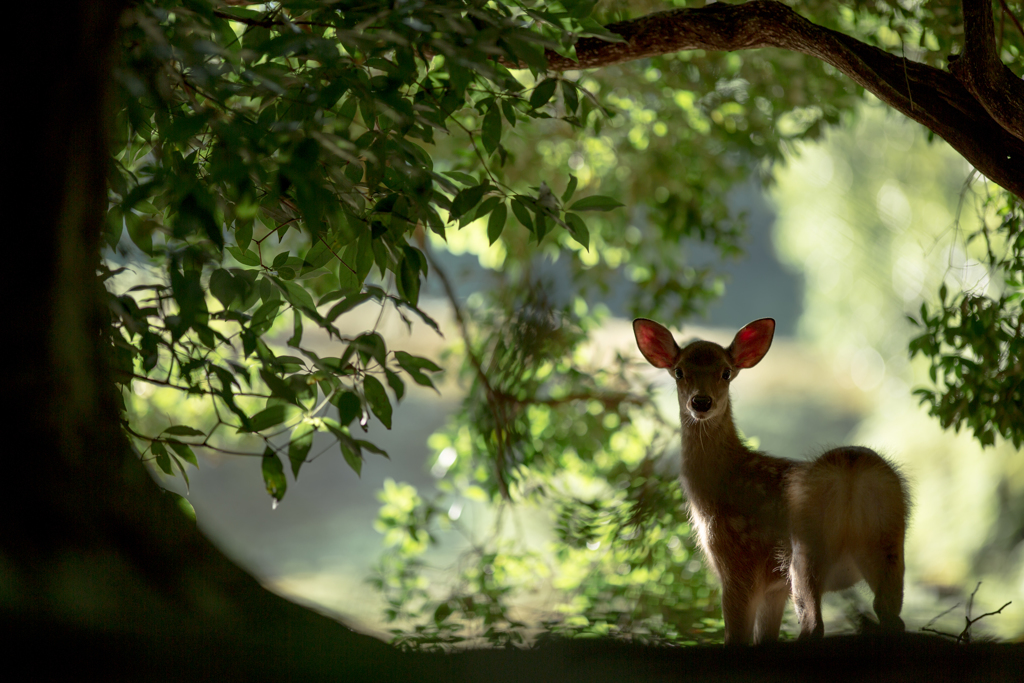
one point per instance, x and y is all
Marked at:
(655, 342)
(752, 342)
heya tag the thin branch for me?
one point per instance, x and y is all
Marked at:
(493, 401)
(612, 398)
(1013, 17)
(204, 444)
(965, 635)
(179, 387)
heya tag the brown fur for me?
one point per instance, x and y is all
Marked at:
(771, 527)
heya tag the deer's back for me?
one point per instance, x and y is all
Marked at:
(747, 513)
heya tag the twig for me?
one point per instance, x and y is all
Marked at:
(965, 636)
(493, 400)
(1012, 16)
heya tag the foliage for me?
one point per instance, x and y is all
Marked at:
(974, 339)
(249, 124)
(279, 165)
(584, 453)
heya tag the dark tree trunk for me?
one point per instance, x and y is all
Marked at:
(91, 552)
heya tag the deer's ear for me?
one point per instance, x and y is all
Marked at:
(655, 342)
(752, 342)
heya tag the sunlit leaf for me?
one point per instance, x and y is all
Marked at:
(496, 223)
(273, 474)
(299, 445)
(378, 400)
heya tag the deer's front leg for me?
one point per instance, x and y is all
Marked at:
(738, 610)
(768, 619)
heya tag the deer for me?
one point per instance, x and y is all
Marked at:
(770, 527)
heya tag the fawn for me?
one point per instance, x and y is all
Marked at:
(770, 526)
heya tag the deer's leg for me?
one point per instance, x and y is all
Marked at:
(769, 613)
(883, 568)
(739, 605)
(805, 572)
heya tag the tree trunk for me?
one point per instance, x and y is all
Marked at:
(91, 551)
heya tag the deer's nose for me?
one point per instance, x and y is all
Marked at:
(701, 404)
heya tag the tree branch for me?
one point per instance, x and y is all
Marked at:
(994, 144)
(493, 401)
(981, 71)
(1013, 17)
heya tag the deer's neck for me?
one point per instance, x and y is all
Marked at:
(710, 448)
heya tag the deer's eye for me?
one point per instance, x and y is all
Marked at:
(727, 373)
(678, 372)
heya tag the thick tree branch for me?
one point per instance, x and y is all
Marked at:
(932, 97)
(982, 72)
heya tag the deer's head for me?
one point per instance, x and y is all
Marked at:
(703, 369)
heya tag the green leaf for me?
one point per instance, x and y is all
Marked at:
(373, 448)
(578, 229)
(354, 458)
(296, 337)
(522, 213)
(496, 223)
(543, 92)
(430, 322)
(593, 28)
(362, 250)
(572, 100)
(347, 304)
(510, 112)
(297, 295)
(298, 447)
(246, 258)
(490, 131)
(243, 236)
(318, 256)
(223, 286)
(195, 216)
(409, 275)
(270, 417)
(181, 468)
(463, 178)
(182, 430)
(377, 398)
(596, 202)
(184, 452)
(266, 313)
(466, 199)
(486, 206)
(278, 387)
(414, 365)
(570, 189)
(162, 459)
(396, 383)
(529, 52)
(273, 474)
(371, 345)
(442, 612)
(349, 407)
(183, 504)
